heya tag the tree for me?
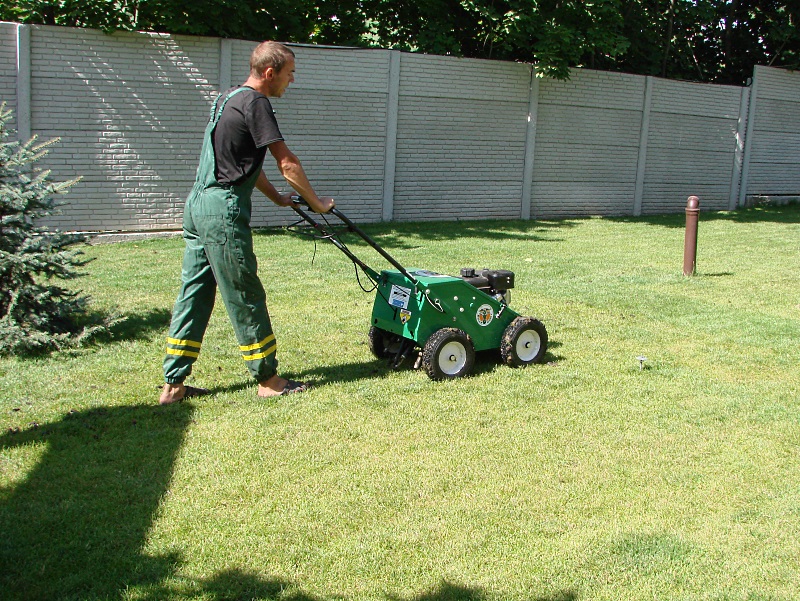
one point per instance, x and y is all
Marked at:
(35, 313)
(703, 40)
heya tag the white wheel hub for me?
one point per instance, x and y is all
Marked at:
(452, 358)
(528, 345)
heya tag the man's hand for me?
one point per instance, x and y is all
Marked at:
(320, 204)
(285, 200)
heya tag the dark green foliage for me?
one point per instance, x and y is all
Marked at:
(36, 314)
(702, 40)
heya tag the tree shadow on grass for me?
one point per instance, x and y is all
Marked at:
(404, 236)
(447, 591)
(139, 326)
(230, 585)
(76, 526)
(764, 214)
(485, 361)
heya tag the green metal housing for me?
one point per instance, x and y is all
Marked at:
(416, 311)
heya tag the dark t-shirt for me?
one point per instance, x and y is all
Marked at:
(245, 129)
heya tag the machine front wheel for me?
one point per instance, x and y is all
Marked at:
(448, 354)
(524, 342)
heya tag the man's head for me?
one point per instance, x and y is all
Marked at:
(271, 68)
(269, 54)
(273, 64)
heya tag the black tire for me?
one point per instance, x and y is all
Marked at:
(448, 354)
(524, 342)
(379, 342)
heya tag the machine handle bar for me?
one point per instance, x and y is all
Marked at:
(353, 228)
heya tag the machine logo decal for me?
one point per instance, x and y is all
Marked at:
(405, 315)
(399, 296)
(485, 315)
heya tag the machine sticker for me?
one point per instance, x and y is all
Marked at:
(399, 296)
(405, 315)
(485, 315)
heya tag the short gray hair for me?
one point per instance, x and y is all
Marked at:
(269, 54)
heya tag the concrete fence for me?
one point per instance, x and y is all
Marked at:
(395, 136)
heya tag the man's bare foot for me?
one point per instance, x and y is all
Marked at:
(172, 393)
(277, 386)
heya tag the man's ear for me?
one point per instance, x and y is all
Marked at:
(269, 73)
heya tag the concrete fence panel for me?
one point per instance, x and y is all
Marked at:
(8, 68)
(587, 144)
(334, 118)
(774, 134)
(691, 145)
(393, 135)
(462, 126)
(130, 110)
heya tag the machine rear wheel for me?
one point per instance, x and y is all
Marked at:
(448, 354)
(524, 342)
(380, 342)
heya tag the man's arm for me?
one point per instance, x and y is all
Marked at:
(291, 169)
(267, 189)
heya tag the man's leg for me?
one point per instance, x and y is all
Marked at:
(246, 302)
(189, 318)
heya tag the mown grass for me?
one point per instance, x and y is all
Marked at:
(586, 477)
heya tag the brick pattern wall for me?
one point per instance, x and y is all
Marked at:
(460, 138)
(774, 162)
(587, 145)
(8, 69)
(691, 145)
(130, 109)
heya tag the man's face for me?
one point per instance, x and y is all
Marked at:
(279, 80)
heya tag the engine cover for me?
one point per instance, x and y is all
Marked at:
(493, 281)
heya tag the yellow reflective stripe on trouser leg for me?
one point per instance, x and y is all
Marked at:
(251, 347)
(176, 342)
(258, 346)
(183, 352)
(266, 353)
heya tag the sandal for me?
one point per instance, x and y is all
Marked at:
(293, 387)
(195, 391)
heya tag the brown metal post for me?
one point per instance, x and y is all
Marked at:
(690, 240)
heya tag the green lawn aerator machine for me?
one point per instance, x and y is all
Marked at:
(441, 319)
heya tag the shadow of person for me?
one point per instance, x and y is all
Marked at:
(76, 525)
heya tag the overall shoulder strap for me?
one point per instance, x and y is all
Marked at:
(216, 114)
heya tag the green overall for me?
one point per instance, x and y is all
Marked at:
(219, 252)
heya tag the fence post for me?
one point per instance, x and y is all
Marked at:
(390, 144)
(748, 138)
(23, 107)
(225, 53)
(530, 146)
(644, 133)
(690, 239)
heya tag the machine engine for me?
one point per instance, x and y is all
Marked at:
(494, 282)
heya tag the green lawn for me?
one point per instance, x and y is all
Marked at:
(585, 478)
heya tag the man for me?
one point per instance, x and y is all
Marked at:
(216, 227)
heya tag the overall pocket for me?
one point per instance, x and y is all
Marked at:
(211, 216)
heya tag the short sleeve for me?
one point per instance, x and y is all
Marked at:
(261, 122)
